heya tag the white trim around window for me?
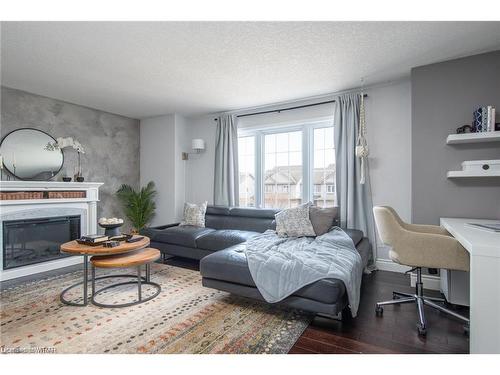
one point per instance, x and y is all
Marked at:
(307, 129)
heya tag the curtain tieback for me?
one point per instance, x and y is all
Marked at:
(362, 151)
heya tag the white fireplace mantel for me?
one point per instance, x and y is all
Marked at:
(38, 208)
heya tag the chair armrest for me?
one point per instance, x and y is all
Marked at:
(432, 251)
(423, 228)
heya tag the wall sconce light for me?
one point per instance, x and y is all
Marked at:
(198, 146)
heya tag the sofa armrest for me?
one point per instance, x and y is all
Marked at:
(149, 231)
(160, 227)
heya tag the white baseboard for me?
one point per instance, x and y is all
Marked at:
(389, 265)
(431, 282)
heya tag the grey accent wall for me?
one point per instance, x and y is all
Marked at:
(111, 142)
(444, 95)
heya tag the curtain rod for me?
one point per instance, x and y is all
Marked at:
(289, 108)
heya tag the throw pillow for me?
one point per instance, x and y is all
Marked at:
(323, 219)
(194, 214)
(294, 222)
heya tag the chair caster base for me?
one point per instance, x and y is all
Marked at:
(466, 330)
(422, 331)
(379, 310)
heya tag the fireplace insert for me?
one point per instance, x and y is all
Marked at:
(37, 240)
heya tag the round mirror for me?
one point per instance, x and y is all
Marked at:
(29, 154)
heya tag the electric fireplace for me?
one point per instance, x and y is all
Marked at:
(31, 241)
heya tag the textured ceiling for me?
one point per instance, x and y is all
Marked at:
(141, 69)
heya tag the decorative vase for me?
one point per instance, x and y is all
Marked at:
(111, 230)
(66, 179)
(78, 175)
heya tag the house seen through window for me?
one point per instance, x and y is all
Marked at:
(284, 167)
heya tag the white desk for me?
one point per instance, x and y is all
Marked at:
(484, 250)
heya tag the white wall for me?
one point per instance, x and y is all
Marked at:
(389, 130)
(182, 144)
(388, 121)
(200, 168)
(163, 139)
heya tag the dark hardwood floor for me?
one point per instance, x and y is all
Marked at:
(394, 332)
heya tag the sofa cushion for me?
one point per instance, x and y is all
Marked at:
(322, 218)
(294, 222)
(223, 238)
(231, 265)
(182, 235)
(194, 214)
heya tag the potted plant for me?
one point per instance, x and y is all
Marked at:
(62, 143)
(139, 206)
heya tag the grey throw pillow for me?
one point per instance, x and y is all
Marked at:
(323, 219)
(294, 222)
(194, 214)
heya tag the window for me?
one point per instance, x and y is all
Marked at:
(324, 166)
(246, 161)
(286, 166)
(282, 169)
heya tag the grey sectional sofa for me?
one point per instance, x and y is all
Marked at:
(223, 265)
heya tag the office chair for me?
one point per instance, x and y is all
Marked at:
(419, 246)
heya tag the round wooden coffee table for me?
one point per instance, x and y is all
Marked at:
(137, 258)
(74, 248)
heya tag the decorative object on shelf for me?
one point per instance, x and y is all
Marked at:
(484, 119)
(111, 226)
(25, 156)
(66, 179)
(198, 146)
(464, 129)
(362, 151)
(139, 206)
(65, 142)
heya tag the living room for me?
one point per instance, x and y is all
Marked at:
(249, 187)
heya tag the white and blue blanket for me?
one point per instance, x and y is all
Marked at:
(281, 266)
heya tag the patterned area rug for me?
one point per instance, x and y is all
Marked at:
(184, 318)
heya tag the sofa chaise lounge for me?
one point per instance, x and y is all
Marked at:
(223, 265)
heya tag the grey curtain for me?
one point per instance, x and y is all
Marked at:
(226, 162)
(354, 199)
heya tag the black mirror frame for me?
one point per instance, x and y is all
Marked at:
(41, 131)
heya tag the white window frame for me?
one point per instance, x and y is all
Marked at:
(307, 129)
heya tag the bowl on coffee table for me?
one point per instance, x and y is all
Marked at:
(111, 226)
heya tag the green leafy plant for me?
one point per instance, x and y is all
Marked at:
(139, 206)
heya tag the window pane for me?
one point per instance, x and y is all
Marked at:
(324, 168)
(283, 170)
(246, 161)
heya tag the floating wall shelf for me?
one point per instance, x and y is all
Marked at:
(473, 137)
(461, 174)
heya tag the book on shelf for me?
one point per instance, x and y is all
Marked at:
(94, 238)
(484, 119)
(494, 227)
